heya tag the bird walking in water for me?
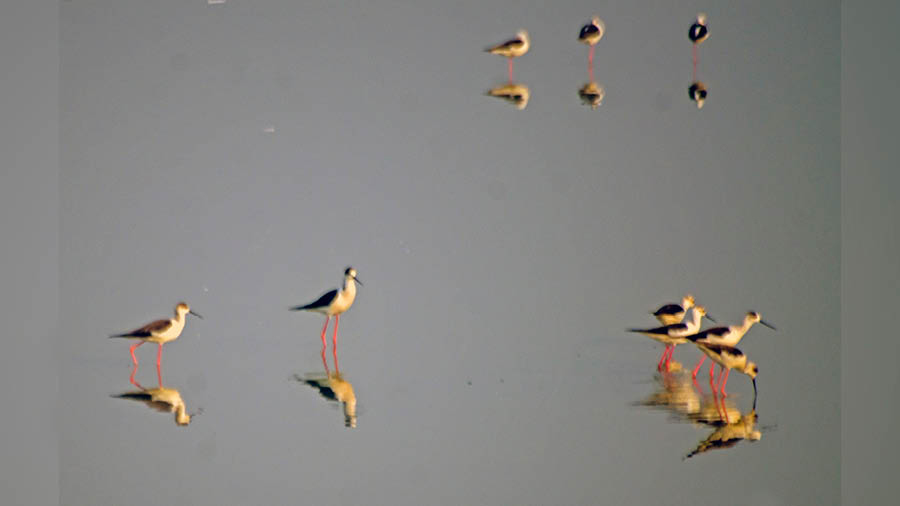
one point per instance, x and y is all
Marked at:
(160, 331)
(512, 48)
(729, 336)
(334, 303)
(728, 358)
(698, 33)
(672, 335)
(591, 34)
(674, 313)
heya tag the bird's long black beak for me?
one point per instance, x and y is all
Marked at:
(195, 314)
(754, 393)
(710, 318)
(767, 324)
(358, 281)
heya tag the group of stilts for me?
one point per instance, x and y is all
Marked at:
(332, 303)
(718, 343)
(591, 93)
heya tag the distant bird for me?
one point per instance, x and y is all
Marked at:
(592, 94)
(674, 313)
(729, 336)
(698, 33)
(728, 358)
(334, 303)
(591, 34)
(672, 335)
(166, 400)
(512, 48)
(516, 94)
(160, 331)
(697, 92)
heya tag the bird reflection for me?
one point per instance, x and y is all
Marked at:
(675, 392)
(731, 426)
(592, 94)
(697, 92)
(162, 399)
(514, 93)
(333, 387)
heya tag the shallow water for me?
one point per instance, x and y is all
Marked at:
(239, 156)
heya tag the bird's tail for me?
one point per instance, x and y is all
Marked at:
(122, 336)
(634, 330)
(301, 308)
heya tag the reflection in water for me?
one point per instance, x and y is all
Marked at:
(333, 387)
(697, 92)
(591, 94)
(679, 394)
(516, 94)
(162, 399)
(698, 33)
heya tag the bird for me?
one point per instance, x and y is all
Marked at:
(728, 358)
(591, 34)
(165, 400)
(672, 335)
(160, 331)
(697, 92)
(674, 313)
(516, 94)
(698, 33)
(334, 303)
(729, 336)
(592, 94)
(512, 48)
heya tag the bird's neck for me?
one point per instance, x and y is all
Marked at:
(745, 326)
(349, 287)
(694, 324)
(179, 318)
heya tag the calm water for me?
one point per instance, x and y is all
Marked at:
(239, 156)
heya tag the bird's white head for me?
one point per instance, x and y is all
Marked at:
(688, 301)
(350, 274)
(182, 309)
(701, 19)
(523, 36)
(751, 369)
(700, 310)
(754, 317)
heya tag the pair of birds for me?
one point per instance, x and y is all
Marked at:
(717, 343)
(332, 303)
(589, 34)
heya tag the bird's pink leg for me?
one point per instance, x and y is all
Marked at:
(510, 66)
(591, 57)
(159, 355)
(337, 319)
(325, 362)
(337, 369)
(324, 329)
(723, 381)
(661, 358)
(724, 409)
(131, 378)
(712, 370)
(134, 347)
(159, 375)
(697, 369)
(694, 58)
(669, 357)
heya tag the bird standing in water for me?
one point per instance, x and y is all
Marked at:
(591, 34)
(334, 303)
(512, 48)
(160, 331)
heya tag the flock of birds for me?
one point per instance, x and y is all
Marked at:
(718, 343)
(591, 93)
(332, 385)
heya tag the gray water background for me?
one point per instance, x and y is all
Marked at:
(504, 248)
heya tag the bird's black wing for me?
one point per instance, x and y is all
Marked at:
(669, 309)
(661, 330)
(322, 301)
(588, 30)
